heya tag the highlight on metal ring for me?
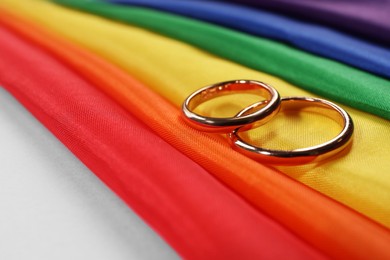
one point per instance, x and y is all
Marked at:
(302, 155)
(228, 124)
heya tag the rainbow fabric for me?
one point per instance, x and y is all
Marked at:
(94, 82)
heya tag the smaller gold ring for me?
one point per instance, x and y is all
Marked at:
(228, 124)
(302, 155)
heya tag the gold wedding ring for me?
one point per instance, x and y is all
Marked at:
(302, 155)
(228, 124)
(260, 113)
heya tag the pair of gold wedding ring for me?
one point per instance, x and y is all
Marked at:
(260, 113)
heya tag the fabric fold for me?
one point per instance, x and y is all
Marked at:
(324, 77)
(178, 198)
(357, 179)
(366, 18)
(329, 226)
(309, 37)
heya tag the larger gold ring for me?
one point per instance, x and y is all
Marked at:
(226, 125)
(304, 155)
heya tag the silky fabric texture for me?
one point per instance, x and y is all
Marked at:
(366, 18)
(152, 177)
(324, 77)
(358, 179)
(312, 216)
(309, 37)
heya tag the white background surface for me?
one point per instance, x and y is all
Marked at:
(53, 207)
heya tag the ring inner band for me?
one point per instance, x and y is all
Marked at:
(228, 89)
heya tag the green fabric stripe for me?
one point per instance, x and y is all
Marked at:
(324, 77)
